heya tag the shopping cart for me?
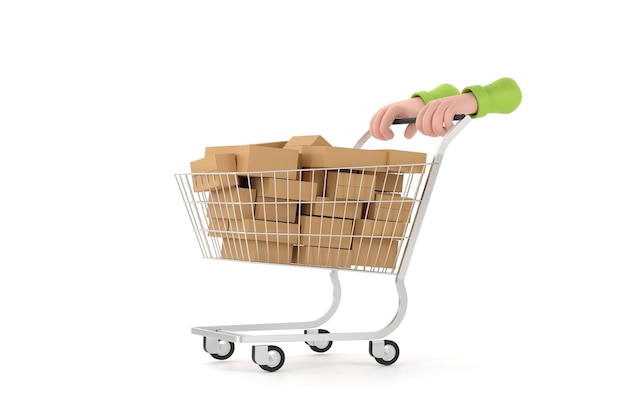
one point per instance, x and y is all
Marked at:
(348, 240)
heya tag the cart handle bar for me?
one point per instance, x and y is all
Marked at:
(409, 120)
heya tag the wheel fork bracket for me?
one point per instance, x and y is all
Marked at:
(216, 347)
(260, 355)
(378, 348)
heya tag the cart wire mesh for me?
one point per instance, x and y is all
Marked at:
(357, 218)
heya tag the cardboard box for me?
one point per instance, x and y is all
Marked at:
(310, 140)
(275, 209)
(390, 207)
(266, 231)
(388, 214)
(257, 251)
(217, 227)
(279, 144)
(376, 228)
(336, 157)
(299, 143)
(318, 176)
(231, 203)
(349, 186)
(391, 183)
(211, 165)
(325, 232)
(327, 207)
(211, 181)
(286, 189)
(320, 256)
(219, 162)
(374, 252)
(253, 159)
(396, 157)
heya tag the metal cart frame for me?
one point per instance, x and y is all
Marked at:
(219, 341)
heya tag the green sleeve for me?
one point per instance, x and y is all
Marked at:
(501, 96)
(444, 90)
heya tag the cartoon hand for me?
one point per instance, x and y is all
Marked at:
(436, 118)
(382, 120)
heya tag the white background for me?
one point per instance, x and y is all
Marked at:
(516, 288)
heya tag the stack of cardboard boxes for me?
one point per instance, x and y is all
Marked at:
(306, 202)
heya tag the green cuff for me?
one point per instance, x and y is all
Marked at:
(501, 96)
(482, 98)
(444, 90)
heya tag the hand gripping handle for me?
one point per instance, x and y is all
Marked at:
(403, 121)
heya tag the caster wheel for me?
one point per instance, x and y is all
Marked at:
(390, 354)
(317, 348)
(226, 349)
(274, 360)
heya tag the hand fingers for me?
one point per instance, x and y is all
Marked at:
(436, 119)
(386, 122)
(418, 120)
(448, 118)
(410, 131)
(425, 118)
(376, 126)
(374, 123)
(440, 128)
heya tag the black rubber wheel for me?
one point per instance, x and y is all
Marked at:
(394, 350)
(225, 356)
(278, 365)
(321, 349)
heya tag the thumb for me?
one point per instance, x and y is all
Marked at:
(410, 131)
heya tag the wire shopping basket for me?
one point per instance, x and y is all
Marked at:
(356, 218)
